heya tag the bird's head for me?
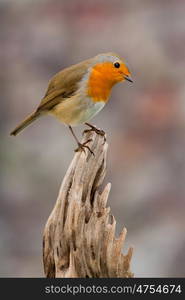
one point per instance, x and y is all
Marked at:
(112, 67)
(106, 70)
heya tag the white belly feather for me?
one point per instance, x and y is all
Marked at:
(75, 111)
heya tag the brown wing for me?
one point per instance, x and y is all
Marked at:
(63, 85)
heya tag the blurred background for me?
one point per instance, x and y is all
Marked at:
(144, 122)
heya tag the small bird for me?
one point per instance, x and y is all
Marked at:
(76, 94)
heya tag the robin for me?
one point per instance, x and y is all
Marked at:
(76, 94)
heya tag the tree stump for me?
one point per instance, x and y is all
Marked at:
(79, 236)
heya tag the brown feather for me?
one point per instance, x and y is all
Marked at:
(63, 85)
(32, 117)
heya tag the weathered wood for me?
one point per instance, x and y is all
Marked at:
(79, 237)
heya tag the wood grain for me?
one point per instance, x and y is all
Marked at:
(79, 237)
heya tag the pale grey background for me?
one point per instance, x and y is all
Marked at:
(145, 125)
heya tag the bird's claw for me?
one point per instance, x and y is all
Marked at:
(98, 131)
(82, 146)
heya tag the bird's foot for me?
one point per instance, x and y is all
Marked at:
(98, 131)
(81, 147)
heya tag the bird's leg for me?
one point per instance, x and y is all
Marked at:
(98, 131)
(80, 145)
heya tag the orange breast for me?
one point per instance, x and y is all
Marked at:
(101, 82)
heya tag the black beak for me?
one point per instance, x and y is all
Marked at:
(128, 78)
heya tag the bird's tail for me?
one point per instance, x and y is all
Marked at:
(32, 117)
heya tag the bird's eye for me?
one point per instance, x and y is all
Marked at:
(117, 64)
